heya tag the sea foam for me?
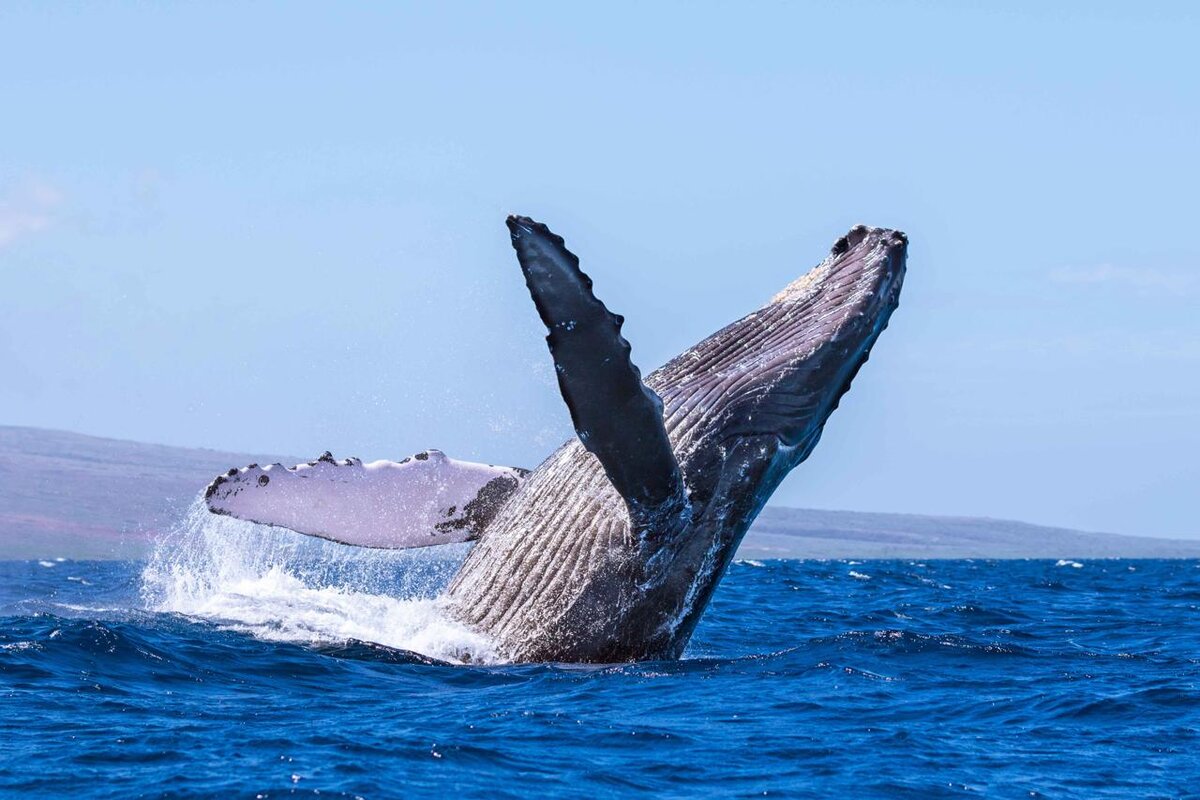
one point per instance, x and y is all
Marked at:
(278, 585)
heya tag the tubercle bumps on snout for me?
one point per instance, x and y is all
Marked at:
(855, 236)
(883, 242)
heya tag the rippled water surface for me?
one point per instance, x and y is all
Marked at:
(240, 676)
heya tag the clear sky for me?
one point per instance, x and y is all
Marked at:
(279, 228)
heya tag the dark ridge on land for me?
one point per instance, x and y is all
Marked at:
(66, 495)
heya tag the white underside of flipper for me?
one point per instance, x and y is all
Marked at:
(424, 500)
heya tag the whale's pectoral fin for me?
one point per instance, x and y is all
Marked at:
(425, 499)
(617, 417)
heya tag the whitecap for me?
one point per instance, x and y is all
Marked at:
(277, 585)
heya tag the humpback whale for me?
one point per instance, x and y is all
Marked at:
(611, 549)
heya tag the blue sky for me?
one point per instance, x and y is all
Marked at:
(279, 228)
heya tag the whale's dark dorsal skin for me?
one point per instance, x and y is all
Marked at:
(611, 549)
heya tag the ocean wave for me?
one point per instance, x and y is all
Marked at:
(214, 673)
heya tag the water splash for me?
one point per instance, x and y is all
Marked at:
(278, 585)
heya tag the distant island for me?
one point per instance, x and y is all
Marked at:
(67, 495)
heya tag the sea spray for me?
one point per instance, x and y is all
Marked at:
(278, 585)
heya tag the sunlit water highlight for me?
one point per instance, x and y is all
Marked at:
(228, 667)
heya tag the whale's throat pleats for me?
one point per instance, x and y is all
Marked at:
(568, 570)
(781, 371)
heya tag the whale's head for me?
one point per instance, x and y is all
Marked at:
(749, 403)
(773, 377)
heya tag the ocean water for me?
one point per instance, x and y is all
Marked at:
(244, 662)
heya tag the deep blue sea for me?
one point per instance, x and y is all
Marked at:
(209, 675)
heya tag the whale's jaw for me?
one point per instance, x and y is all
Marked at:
(561, 575)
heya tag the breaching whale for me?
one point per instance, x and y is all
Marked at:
(611, 549)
